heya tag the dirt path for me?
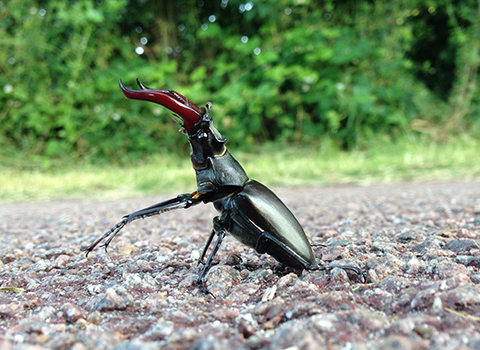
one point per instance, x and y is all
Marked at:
(417, 243)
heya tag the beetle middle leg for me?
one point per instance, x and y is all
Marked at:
(220, 231)
(207, 244)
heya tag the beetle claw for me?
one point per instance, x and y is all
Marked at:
(204, 290)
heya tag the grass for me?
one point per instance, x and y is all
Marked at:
(410, 159)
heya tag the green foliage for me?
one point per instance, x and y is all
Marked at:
(302, 71)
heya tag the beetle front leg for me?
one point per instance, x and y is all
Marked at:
(181, 201)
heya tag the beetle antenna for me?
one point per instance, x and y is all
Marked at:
(209, 106)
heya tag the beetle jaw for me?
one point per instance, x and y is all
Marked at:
(187, 111)
(196, 123)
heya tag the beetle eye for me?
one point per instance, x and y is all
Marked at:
(202, 135)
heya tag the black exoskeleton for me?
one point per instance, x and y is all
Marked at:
(249, 211)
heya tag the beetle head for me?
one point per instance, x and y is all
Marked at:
(207, 141)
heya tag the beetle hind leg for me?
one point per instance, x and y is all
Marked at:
(267, 241)
(343, 267)
(280, 251)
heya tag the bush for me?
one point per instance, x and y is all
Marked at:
(282, 71)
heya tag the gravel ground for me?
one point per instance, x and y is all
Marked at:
(417, 243)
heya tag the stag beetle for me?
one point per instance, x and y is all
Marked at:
(249, 211)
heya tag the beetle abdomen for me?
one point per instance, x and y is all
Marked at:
(278, 232)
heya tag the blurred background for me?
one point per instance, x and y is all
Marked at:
(307, 92)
